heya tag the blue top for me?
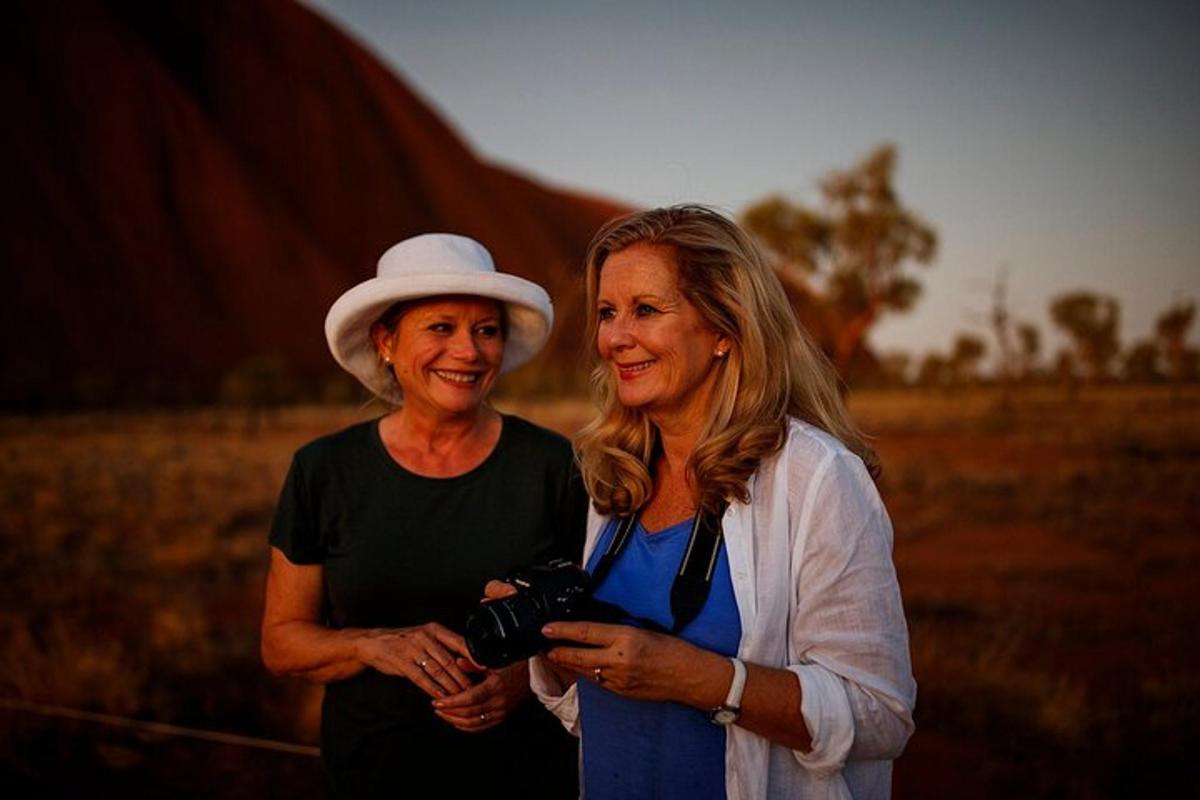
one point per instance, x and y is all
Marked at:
(642, 749)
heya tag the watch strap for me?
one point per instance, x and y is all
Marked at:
(734, 698)
(728, 712)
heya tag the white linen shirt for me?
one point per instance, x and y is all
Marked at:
(811, 557)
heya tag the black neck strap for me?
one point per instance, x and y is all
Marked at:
(692, 583)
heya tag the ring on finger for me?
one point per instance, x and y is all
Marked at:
(598, 674)
(483, 717)
(423, 662)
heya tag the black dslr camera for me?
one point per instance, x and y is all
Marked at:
(501, 632)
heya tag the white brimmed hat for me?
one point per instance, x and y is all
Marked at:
(426, 266)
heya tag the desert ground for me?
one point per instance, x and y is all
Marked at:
(1047, 549)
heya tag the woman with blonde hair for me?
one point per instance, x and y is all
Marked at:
(736, 522)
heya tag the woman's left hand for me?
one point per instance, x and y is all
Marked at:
(641, 664)
(489, 702)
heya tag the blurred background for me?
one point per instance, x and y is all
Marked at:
(986, 215)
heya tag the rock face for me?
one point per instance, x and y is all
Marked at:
(189, 185)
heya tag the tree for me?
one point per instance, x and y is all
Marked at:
(1030, 341)
(796, 235)
(964, 361)
(1171, 329)
(934, 371)
(858, 245)
(1141, 363)
(1001, 322)
(895, 366)
(1065, 371)
(1091, 321)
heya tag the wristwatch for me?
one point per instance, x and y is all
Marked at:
(728, 712)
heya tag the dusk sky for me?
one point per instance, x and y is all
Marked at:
(1056, 140)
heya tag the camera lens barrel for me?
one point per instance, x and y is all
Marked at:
(501, 632)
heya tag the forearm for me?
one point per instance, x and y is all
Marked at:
(770, 701)
(311, 651)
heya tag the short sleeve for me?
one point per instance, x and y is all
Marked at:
(572, 517)
(294, 530)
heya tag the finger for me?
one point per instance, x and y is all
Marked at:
(595, 633)
(476, 695)
(449, 677)
(422, 680)
(497, 589)
(450, 640)
(447, 638)
(471, 715)
(449, 662)
(467, 665)
(446, 663)
(472, 724)
(578, 659)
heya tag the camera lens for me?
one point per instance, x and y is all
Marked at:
(502, 631)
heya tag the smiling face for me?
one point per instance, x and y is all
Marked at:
(445, 353)
(662, 353)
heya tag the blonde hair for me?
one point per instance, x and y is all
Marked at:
(773, 371)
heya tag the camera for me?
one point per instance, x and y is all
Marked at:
(500, 632)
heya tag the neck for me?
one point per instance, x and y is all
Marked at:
(432, 432)
(678, 439)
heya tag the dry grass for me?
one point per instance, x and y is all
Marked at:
(1046, 556)
(1046, 552)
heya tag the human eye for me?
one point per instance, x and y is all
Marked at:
(441, 327)
(488, 331)
(606, 313)
(645, 310)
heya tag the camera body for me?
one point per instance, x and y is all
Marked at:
(501, 632)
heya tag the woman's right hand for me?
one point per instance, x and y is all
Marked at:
(425, 654)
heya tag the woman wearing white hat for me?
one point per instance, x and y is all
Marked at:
(386, 531)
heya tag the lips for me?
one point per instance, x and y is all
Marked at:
(458, 378)
(628, 372)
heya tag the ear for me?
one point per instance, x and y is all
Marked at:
(382, 338)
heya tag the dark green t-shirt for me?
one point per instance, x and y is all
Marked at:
(400, 549)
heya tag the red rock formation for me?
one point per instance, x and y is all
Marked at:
(190, 184)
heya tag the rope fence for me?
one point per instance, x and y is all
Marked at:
(159, 728)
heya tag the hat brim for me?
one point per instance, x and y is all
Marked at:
(528, 308)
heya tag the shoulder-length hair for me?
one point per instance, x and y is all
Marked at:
(772, 372)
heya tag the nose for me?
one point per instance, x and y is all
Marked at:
(463, 346)
(617, 333)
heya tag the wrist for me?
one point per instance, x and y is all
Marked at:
(517, 674)
(358, 641)
(712, 676)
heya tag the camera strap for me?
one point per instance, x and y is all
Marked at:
(692, 583)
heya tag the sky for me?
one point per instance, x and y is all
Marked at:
(1052, 142)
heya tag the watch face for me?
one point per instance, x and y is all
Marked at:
(725, 715)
